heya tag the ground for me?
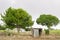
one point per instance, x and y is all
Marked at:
(28, 36)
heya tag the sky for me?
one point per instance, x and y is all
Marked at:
(33, 7)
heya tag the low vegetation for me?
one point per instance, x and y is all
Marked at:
(28, 36)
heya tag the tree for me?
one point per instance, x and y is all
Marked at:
(17, 18)
(47, 20)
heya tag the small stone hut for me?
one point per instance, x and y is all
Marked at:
(36, 30)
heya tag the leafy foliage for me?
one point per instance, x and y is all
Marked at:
(47, 20)
(17, 18)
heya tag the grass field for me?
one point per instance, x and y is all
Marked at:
(55, 32)
(54, 35)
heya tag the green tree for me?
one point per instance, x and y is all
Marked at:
(17, 18)
(47, 20)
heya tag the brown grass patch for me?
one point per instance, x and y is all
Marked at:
(28, 36)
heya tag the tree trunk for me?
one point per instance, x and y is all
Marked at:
(18, 29)
(47, 31)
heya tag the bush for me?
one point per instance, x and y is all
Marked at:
(47, 31)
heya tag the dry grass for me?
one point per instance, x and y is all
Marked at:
(28, 36)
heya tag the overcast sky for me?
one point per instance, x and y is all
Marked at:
(33, 7)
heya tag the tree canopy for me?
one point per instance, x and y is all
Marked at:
(17, 18)
(47, 20)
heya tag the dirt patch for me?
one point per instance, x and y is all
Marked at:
(29, 37)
